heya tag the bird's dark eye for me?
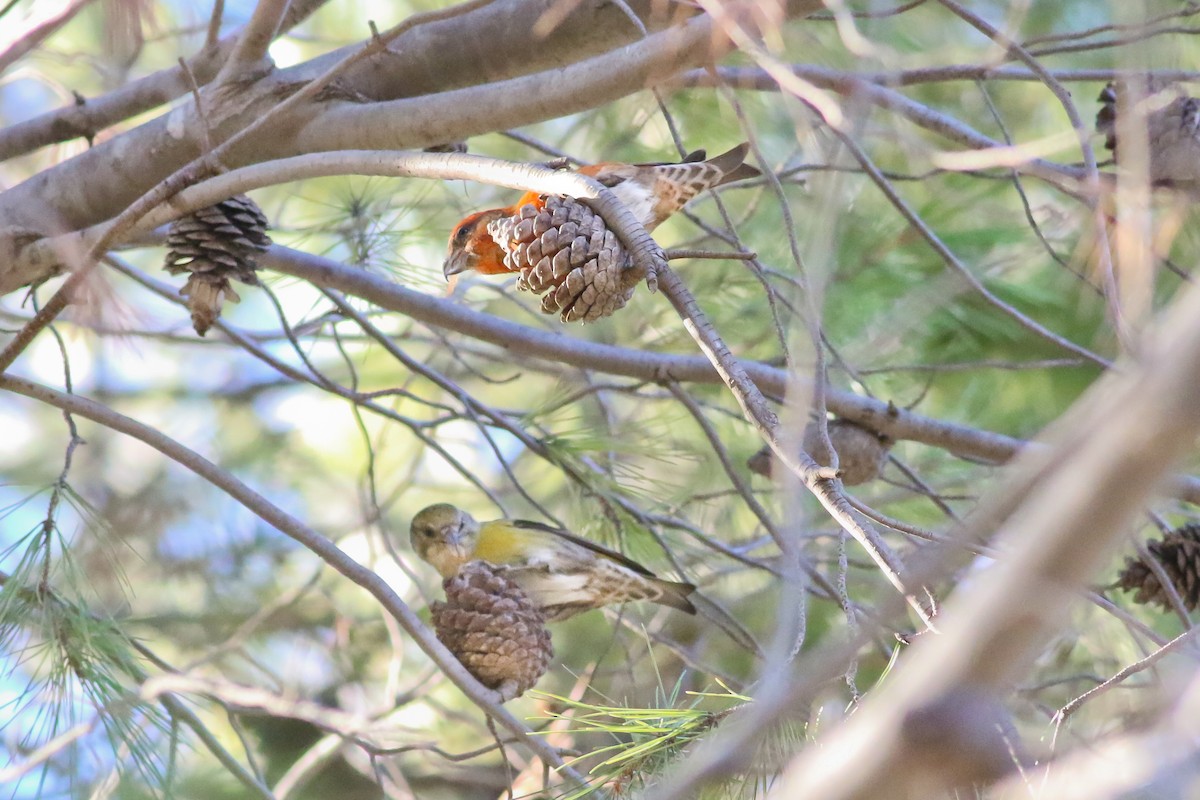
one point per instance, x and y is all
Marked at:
(428, 532)
(462, 234)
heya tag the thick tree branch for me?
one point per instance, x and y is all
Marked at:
(881, 416)
(125, 174)
(206, 164)
(118, 171)
(648, 257)
(325, 549)
(425, 58)
(255, 38)
(640, 364)
(96, 114)
(500, 41)
(454, 115)
(1063, 513)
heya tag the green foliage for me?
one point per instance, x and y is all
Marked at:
(157, 567)
(644, 739)
(74, 669)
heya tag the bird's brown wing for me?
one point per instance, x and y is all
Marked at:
(611, 174)
(691, 158)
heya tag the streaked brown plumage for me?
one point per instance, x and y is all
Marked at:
(652, 192)
(563, 573)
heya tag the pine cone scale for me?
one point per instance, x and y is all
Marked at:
(494, 629)
(215, 245)
(565, 253)
(1178, 553)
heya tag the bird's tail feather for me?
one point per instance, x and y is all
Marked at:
(675, 594)
(733, 164)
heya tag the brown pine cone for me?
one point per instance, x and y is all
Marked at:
(567, 254)
(1179, 554)
(494, 629)
(861, 451)
(1172, 130)
(214, 245)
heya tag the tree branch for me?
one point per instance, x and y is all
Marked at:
(646, 253)
(1064, 511)
(816, 478)
(881, 416)
(462, 113)
(326, 550)
(127, 101)
(207, 163)
(255, 38)
(40, 33)
(861, 88)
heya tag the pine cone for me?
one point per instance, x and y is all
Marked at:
(1179, 554)
(1172, 130)
(861, 451)
(214, 245)
(494, 629)
(567, 254)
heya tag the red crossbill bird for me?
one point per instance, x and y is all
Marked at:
(652, 192)
(563, 574)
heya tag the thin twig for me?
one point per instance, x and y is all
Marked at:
(203, 167)
(484, 698)
(673, 255)
(1140, 665)
(818, 479)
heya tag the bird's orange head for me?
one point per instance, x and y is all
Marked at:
(473, 248)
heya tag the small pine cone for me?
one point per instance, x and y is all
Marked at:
(761, 463)
(566, 253)
(494, 629)
(861, 451)
(1179, 554)
(214, 245)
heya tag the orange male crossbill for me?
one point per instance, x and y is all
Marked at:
(652, 192)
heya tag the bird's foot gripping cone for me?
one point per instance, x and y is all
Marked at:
(492, 626)
(566, 253)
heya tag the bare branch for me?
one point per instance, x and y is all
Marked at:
(40, 33)
(1057, 523)
(486, 699)
(255, 38)
(645, 365)
(462, 113)
(96, 114)
(1140, 665)
(820, 483)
